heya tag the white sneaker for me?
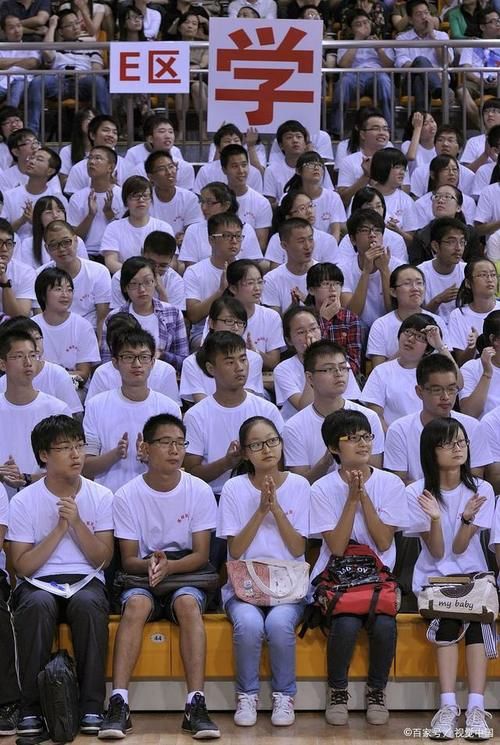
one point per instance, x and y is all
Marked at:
(444, 723)
(283, 714)
(476, 726)
(246, 709)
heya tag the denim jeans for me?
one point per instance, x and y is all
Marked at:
(344, 631)
(434, 80)
(350, 82)
(251, 625)
(50, 84)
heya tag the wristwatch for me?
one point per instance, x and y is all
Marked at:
(4, 285)
(465, 521)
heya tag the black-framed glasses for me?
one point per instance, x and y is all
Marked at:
(128, 358)
(167, 442)
(357, 437)
(271, 442)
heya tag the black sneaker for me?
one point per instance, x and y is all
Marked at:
(90, 724)
(30, 725)
(197, 720)
(117, 721)
(9, 717)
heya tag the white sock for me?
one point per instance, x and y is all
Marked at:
(449, 699)
(121, 692)
(190, 695)
(475, 699)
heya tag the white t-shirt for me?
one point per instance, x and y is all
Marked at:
(472, 372)
(490, 424)
(200, 281)
(5, 157)
(420, 180)
(185, 174)
(23, 252)
(265, 328)
(453, 504)
(383, 336)
(254, 209)
(422, 213)
(163, 520)
(70, 342)
(302, 439)
(399, 205)
(278, 173)
(238, 503)
(321, 143)
(488, 206)
(152, 23)
(329, 209)
(172, 282)
(79, 178)
(78, 210)
(392, 387)
(482, 178)
(55, 381)
(325, 248)
(265, 8)
(17, 422)
(474, 147)
(194, 380)
(461, 321)
(402, 445)
(34, 513)
(12, 177)
(15, 199)
(162, 378)
(92, 286)
(436, 283)
(210, 172)
(127, 240)
(424, 155)
(374, 303)
(107, 416)
(182, 210)
(279, 284)
(22, 278)
(4, 520)
(211, 427)
(328, 498)
(290, 378)
(195, 245)
(66, 161)
(392, 240)
(137, 154)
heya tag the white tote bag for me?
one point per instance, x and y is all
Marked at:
(269, 582)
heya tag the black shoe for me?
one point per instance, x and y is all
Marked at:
(90, 724)
(197, 721)
(30, 725)
(9, 717)
(117, 721)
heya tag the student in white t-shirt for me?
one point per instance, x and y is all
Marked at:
(296, 203)
(213, 423)
(327, 372)
(481, 391)
(22, 406)
(390, 387)
(228, 134)
(125, 237)
(287, 283)
(159, 513)
(22, 143)
(61, 530)
(367, 505)
(114, 419)
(444, 274)
(476, 298)
(444, 170)
(418, 139)
(17, 280)
(263, 513)
(387, 173)
(448, 509)
(407, 288)
(264, 332)
(292, 138)
(226, 314)
(70, 340)
(9, 686)
(437, 387)
(491, 427)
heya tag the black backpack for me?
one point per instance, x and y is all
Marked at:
(59, 697)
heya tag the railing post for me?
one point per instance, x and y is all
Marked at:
(445, 91)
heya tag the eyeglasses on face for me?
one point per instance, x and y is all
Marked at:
(358, 437)
(168, 442)
(256, 447)
(231, 323)
(461, 442)
(129, 359)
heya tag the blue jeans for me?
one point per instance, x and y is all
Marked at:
(251, 625)
(344, 631)
(350, 82)
(51, 83)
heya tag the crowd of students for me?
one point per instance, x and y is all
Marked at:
(229, 364)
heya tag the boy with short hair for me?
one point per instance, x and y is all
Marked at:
(228, 134)
(445, 272)
(17, 280)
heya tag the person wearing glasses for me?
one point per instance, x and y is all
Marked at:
(17, 280)
(264, 511)
(366, 505)
(226, 314)
(327, 373)
(448, 509)
(162, 510)
(114, 419)
(61, 530)
(162, 320)
(448, 140)
(444, 170)
(21, 144)
(437, 388)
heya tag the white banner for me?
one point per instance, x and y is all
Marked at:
(263, 72)
(149, 67)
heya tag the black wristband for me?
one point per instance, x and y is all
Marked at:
(465, 521)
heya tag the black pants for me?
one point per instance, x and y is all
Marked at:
(36, 614)
(9, 688)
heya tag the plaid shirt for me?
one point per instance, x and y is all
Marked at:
(344, 329)
(171, 329)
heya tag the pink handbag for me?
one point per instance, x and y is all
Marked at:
(269, 582)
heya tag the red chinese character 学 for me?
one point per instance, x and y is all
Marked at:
(274, 77)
